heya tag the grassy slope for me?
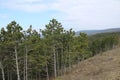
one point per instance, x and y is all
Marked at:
(99, 67)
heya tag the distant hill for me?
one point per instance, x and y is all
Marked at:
(92, 32)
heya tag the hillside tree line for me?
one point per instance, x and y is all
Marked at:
(47, 53)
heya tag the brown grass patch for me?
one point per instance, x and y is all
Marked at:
(99, 67)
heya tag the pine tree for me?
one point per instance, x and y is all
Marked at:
(14, 36)
(52, 33)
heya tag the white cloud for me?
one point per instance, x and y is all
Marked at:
(24, 5)
(3, 16)
(82, 13)
(90, 13)
(28, 7)
(30, 1)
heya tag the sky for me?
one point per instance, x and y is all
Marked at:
(76, 14)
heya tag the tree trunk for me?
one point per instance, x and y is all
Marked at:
(69, 59)
(2, 69)
(11, 75)
(36, 76)
(55, 72)
(24, 68)
(16, 56)
(8, 74)
(62, 62)
(39, 76)
(47, 72)
(26, 63)
(57, 63)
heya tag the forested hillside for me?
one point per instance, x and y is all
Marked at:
(47, 53)
(93, 32)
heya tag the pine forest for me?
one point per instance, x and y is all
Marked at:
(46, 54)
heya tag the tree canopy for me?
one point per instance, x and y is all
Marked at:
(48, 53)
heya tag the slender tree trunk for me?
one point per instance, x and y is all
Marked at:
(57, 63)
(78, 59)
(8, 74)
(36, 76)
(11, 75)
(39, 76)
(62, 61)
(55, 72)
(61, 58)
(16, 56)
(69, 61)
(2, 69)
(47, 72)
(69, 58)
(24, 68)
(26, 63)
(65, 63)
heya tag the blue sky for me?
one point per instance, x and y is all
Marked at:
(76, 14)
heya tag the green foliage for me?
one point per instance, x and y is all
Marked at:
(53, 52)
(103, 43)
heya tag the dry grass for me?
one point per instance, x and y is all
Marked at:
(99, 67)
